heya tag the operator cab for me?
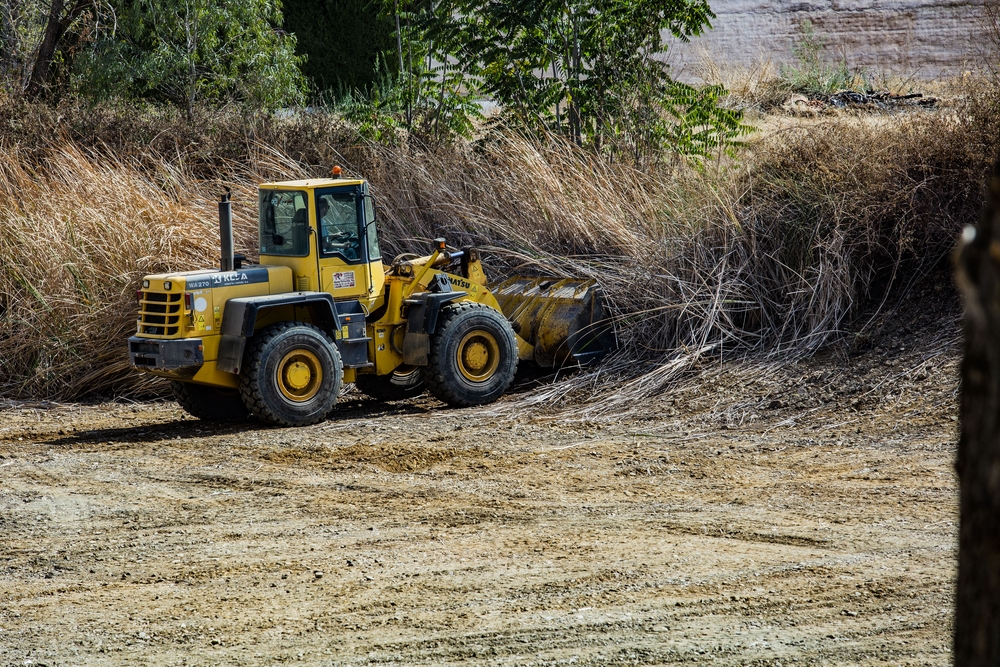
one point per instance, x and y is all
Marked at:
(324, 230)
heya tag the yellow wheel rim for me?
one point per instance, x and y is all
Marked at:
(300, 375)
(478, 356)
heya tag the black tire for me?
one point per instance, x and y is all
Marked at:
(473, 355)
(399, 385)
(291, 374)
(210, 404)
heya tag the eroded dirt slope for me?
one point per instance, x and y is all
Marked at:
(803, 514)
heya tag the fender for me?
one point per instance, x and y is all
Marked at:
(240, 321)
(422, 316)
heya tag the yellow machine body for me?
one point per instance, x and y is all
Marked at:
(553, 320)
(562, 319)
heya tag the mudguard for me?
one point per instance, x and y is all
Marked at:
(422, 313)
(240, 320)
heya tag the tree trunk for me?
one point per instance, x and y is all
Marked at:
(9, 43)
(574, 108)
(409, 78)
(191, 36)
(399, 46)
(56, 26)
(977, 608)
(399, 36)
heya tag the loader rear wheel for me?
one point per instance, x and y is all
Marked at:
(473, 355)
(403, 383)
(209, 404)
(291, 375)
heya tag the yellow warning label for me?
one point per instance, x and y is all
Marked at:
(343, 331)
(200, 323)
(218, 316)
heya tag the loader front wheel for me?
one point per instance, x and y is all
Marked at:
(209, 404)
(403, 383)
(473, 355)
(291, 375)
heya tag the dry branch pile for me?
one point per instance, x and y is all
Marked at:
(773, 253)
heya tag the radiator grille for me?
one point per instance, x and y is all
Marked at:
(160, 314)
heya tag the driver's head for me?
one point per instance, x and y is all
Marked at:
(324, 206)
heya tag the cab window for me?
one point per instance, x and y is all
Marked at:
(373, 249)
(284, 223)
(337, 216)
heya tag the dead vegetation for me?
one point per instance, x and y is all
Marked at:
(776, 252)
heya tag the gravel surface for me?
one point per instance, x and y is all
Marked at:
(803, 514)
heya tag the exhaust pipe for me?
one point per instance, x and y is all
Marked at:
(226, 231)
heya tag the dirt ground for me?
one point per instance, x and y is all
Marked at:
(801, 514)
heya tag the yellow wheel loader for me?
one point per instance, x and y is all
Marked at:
(279, 339)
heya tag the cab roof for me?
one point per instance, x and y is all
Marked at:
(312, 183)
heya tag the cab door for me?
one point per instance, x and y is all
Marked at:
(350, 261)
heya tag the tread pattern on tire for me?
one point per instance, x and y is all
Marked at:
(435, 374)
(207, 403)
(250, 391)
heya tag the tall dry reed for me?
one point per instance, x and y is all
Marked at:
(775, 253)
(80, 231)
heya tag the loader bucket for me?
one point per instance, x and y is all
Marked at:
(562, 319)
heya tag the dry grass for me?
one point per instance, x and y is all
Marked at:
(80, 229)
(757, 86)
(763, 87)
(775, 254)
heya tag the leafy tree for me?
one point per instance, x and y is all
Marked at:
(429, 94)
(187, 51)
(342, 41)
(22, 23)
(61, 17)
(588, 68)
(439, 92)
(33, 35)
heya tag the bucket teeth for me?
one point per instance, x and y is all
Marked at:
(563, 319)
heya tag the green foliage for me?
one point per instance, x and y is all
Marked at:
(586, 68)
(431, 97)
(440, 92)
(21, 28)
(814, 74)
(187, 51)
(377, 113)
(696, 123)
(425, 103)
(342, 41)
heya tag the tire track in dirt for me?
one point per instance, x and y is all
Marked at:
(817, 530)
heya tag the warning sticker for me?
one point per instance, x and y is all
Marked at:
(343, 279)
